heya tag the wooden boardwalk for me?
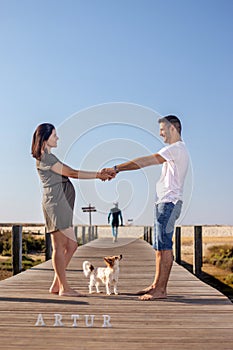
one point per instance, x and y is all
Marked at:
(195, 316)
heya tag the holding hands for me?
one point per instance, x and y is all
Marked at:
(106, 174)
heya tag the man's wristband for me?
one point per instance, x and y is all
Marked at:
(115, 169)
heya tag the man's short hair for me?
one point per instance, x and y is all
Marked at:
(173, 120)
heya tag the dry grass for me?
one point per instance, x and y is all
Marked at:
(187, 246)
(213, 275)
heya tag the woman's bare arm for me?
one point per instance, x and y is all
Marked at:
(65, 170)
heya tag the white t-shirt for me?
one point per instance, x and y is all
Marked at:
(169, 188)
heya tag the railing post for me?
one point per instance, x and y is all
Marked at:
(83, 235)
(89, 233)
(48, 246)
(92, 233)
(96, 232)
(150, 235)
(146, 233)
(197, 263)
(17, 249)
(178, 245)
(76, 232)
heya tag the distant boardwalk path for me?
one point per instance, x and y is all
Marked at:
(195, 316)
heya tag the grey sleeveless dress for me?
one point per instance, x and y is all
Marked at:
(58, 195)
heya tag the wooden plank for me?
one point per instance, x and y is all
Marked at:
(194, 316)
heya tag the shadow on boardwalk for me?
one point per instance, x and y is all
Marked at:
(212, 281)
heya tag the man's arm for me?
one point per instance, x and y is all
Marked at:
(120, 214)
(141, 162)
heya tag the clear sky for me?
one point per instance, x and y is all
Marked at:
(103, 71)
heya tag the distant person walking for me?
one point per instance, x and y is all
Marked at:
(115, 213)
(58, 203)
(175, 160)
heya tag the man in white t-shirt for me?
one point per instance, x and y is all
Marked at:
(175, 160)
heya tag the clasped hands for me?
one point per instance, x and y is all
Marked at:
(107, 174)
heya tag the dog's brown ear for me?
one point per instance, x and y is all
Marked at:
(92, 267)
(109, 261)
(120, 256)
(106, 259)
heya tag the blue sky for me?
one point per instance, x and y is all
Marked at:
(154, 57)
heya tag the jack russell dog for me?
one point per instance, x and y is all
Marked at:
(107, 275)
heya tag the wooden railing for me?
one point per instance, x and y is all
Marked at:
(90, 233)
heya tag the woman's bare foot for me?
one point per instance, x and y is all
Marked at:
(71, 293)
(54, 289)
(153, 294)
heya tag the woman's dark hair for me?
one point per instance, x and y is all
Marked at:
(42, 134)
(173, 120)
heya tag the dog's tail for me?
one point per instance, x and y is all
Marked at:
(87, 268)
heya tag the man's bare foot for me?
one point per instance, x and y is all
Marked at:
(146, 290)
(153, 294)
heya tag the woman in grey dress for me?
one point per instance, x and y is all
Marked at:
(58, 202)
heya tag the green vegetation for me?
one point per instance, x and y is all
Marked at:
(32, 244)
(229, 279)
(5, 244)
(27, 263)
(222, 257)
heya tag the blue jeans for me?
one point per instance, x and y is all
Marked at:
(115, 231)
(166, 215)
